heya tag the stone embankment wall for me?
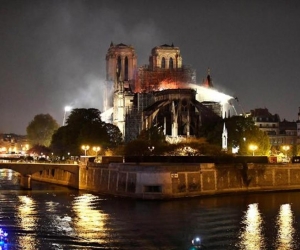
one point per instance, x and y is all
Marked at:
(173, 180)
(57, 176)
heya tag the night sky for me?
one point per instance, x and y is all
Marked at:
(52, 53)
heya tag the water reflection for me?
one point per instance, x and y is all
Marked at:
(90, 222)
(61, 223)
(54, 218)
(51, 206)
(285, 228)
(27, 221)
(6, 174)
(252, 237)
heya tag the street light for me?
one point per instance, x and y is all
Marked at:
(85, 148)
(253, 148)
(96, 149)
(286, 148)
(67, 109)
(151, 148)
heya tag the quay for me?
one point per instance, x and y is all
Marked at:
(165, 178)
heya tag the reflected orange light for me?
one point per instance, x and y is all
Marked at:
(90, 221)
(251, 237)
(286, 230)
(27, 221)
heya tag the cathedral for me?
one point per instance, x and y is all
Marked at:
(162, 94)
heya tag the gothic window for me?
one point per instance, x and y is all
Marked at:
(119, 66)
(171, 63)
(126, 68)
(184, 106)
(163, 63)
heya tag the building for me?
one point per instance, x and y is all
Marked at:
(281, 133)
(13, 144)
(162, 94)
(266, 121)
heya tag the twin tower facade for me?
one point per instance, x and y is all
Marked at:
(157, 94)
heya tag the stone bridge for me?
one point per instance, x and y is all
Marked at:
(27, 169)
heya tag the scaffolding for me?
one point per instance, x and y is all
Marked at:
(133, 117)
(158, 79)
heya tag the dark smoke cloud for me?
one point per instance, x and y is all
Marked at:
(52, 52)
(58, 51)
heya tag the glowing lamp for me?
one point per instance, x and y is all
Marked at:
(85, 148)
(96, 149)
(252, 147)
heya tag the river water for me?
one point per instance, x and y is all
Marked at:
(54, 217)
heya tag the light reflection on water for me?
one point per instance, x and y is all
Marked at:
(252, 236)
(53, 217)
(90, 220)
(8, 176)
(27, 221)
(285, 238)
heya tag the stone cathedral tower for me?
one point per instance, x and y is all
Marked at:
(121, 69)
(155, 95)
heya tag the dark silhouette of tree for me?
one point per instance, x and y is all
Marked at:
(154, 135)
(41, 129)
(84, 127)
(114, 135)
(136, 147)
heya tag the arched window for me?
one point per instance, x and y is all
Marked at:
(126, 68)
(171, 63)
(119, 66)
(163, 63)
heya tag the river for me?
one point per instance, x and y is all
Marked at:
(55, 217)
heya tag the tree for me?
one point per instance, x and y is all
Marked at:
(258, 138)
(114, 135)
(154, 135)
(41, 129)
(85, 127)
(136, 147)
(241, 133)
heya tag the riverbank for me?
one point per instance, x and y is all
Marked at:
(177, 180)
